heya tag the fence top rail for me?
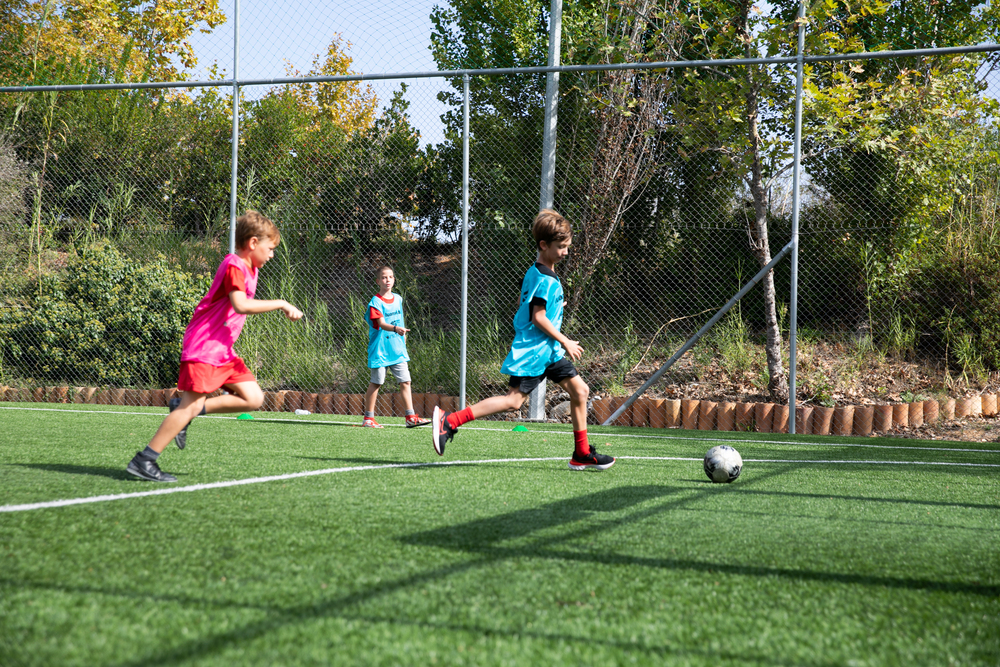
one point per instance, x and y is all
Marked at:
(669, 64)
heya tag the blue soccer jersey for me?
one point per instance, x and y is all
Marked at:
(386, 348)
(532, 350)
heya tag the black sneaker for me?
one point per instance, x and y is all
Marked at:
(441, 430)
(180, 438)
(147, 469)
(592, 461)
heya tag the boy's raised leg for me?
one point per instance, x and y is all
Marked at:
(242, 397)
(444, 425)
(143, 465)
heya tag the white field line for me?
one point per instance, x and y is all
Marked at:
(251, 480)
(875, 463)
(330, 471)
(595, 435)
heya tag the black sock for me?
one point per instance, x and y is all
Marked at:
(149, 453)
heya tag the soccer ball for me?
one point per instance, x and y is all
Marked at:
(723, 464)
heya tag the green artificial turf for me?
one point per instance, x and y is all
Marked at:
(492, 560)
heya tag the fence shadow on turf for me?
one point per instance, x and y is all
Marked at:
(594, 513)
(480, 535)
(94, 471)
(486, 537)
(875, 499)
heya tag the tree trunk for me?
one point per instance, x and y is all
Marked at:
(629, 106)
(777, 384)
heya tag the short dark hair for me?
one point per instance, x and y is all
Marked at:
(551, 227)
(252, 224)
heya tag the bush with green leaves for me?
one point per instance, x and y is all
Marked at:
(105, 320)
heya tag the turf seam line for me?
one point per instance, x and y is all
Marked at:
(858, 461)
(505, 430)
(744, 440)
(251, 480)
(328, 471)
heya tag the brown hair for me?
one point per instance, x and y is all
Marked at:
(252, 224)
(386, 267)
(550, 227)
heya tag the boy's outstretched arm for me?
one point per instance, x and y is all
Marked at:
(247, 306)
(544, 325)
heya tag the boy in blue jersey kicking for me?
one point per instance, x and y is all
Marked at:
(539, 349)
(387, 348)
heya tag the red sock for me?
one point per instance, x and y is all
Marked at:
(456, 419)
(580, 442)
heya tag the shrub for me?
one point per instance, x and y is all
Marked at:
(106, 320)
(954, 298)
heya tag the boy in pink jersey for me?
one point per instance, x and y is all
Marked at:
(208, 361)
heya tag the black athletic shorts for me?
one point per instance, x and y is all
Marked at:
(557, 372)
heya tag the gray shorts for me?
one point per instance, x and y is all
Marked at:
(401, 372)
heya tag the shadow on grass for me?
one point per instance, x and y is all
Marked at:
(874, 499)
(540, 533)
(573, 510)
(95, 471)
(339, 608)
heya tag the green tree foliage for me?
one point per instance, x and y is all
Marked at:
(899, 147)
(108, 320)
(128, 38)
(608, 153)
(891, 141)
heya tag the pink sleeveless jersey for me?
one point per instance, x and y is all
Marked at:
(215, 326)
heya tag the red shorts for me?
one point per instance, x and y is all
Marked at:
(206, 378)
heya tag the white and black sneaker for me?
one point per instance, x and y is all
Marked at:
(591, 461)
(441, 430)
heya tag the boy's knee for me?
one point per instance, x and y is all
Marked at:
(254, 399)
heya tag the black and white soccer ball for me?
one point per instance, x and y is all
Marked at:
(723, 464)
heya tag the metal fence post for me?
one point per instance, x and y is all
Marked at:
(695, 338)
(536, 402)
(236, 128)
(796, 169)
(546, 197)
(465, 241)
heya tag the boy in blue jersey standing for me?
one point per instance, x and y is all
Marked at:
(387, 348)
(539, 349)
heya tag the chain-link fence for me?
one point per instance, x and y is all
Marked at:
(115, 201)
